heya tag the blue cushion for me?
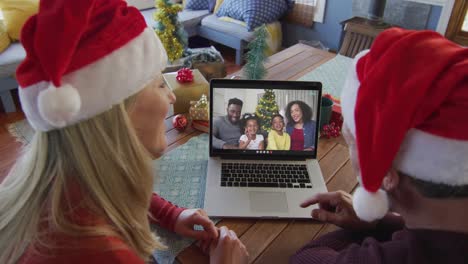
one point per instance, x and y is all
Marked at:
(254, 12)
(196, 4)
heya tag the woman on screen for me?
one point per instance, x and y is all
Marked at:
(300, 127)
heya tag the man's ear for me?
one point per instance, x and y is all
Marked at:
(391, 180)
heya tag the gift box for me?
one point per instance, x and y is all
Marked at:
(199, 109)
(186, 92)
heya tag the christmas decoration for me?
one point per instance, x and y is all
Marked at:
(337, 118)
(201, 125)
(179, 122)
(184, 75)
(169, 29)
(331, 130)
(266, 108)
(254, 69)
(199, 109)
(186, 92)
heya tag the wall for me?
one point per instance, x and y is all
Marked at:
(329, 32)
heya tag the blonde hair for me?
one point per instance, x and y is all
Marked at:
(104, 158)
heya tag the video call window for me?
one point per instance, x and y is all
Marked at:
(264, 121)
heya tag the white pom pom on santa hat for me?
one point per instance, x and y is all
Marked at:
(58, 105)
(370, 206)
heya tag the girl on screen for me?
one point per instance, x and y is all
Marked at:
(277, 139)
(251, 140)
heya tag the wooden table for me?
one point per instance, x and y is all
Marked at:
(274, 241)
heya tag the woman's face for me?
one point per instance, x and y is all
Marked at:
(296, 113)
(252, 127)
(278, 123)
(148, 115)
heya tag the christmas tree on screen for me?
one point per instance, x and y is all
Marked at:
(266, 108)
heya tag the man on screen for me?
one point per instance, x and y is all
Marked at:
(226, 129)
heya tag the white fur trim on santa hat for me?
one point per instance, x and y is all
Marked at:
(102, 84)
(58, 105)
(432, 158)
(370, 206)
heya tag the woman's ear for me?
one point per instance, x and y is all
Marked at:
(391, 180)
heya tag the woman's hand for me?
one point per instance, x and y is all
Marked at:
(186, 221)
(228, 249)
(337, 208)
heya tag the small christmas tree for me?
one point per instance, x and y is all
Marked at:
(169, 29)
(254, 68)
(266, 108)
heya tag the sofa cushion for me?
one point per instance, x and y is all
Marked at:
(196, 4)
(141, 4)
(237, 30)
(254, 12)
(4, 38)
(10, 59)
(16, 13)
(188, 18)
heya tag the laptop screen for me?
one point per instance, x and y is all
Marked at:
(264, 118)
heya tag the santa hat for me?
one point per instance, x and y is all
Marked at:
(83, 57)
(406, 103)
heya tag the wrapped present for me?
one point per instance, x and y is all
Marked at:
(199, 110)
(186, 91)
(200, 125)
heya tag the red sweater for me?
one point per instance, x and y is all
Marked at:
(163, 211)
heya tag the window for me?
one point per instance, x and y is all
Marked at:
(316, 7)
(457, 29)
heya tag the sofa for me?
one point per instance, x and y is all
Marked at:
(195, 22)
(208, 25)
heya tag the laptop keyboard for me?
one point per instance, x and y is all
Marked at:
(265, 175)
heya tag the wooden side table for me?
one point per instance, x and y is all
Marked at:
(359, 35)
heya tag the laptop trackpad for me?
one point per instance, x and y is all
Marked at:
(268, 202)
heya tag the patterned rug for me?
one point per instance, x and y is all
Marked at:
(180, 177)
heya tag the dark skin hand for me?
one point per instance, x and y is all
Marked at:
(337, 208)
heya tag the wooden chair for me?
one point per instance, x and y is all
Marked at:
(359, 35)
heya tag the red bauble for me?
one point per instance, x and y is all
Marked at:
(180, 122)
(184, 75)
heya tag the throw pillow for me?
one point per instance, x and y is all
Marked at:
(218, 5)
(196, 4)
(15, 13)
(254, 12)
(4, 38)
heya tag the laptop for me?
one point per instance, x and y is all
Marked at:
(250, 172)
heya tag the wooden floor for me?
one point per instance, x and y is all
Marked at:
(10, 149)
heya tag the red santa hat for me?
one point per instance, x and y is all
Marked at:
(406, 103)
(83, 57)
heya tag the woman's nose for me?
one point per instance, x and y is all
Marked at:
(172, 97)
